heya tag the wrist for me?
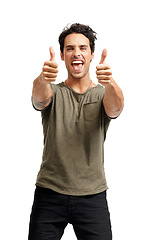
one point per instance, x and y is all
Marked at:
(42, 81)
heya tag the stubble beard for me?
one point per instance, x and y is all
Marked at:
(79, 77)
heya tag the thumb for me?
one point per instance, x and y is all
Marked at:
(52, 54)
(103, 56)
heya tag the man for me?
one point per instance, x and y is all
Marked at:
(71, 185)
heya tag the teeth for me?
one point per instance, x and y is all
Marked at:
(77, 62)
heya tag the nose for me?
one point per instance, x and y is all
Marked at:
(77, 52)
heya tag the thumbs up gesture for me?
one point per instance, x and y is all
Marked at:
(104, 72)
(50, 68)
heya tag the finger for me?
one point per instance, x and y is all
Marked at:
(104, 72)
(49, 75)
(52, 54)
(104, 77)
(51, 64)
(103, 56)
(104, 82)
(46, 68)
(103, 67)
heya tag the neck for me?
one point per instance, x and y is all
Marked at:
(79, 84)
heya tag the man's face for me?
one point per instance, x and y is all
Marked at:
(77, 55)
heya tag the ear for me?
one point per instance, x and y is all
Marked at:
(92, 56)
(62, 56)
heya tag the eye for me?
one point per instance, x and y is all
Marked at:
(83, 48)
(69, 49)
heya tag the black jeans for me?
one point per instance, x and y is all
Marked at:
(52, 211)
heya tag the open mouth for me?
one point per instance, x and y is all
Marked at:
(77, 65)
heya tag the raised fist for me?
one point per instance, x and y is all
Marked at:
(50, 68)
(104, 72)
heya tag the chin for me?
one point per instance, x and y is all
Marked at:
(78, 75)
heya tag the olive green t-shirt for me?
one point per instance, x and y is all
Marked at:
(74, 127)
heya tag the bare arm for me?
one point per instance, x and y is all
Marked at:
(113, 100)
(42, 92)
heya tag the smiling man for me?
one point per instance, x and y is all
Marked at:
(77, 56)
(71, 185)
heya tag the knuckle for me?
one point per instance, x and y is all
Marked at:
(53, 64)
(46, 63)
(56, 65)
(53, 75)
(99, 77)
(45, 74)
(45, 79)
(110, 72)
(44, 68)
(98, 66)
(55, 70)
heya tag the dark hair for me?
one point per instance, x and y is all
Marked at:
(78, 28)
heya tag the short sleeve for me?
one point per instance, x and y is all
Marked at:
(107, 121)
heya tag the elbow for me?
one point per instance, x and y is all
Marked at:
(115, 110)
(120, 104)
(119, 110)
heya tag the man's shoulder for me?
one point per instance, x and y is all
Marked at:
(97, 92)
(56, 86)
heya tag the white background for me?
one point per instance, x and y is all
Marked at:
(28, 28)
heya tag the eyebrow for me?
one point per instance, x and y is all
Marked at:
(82, 45)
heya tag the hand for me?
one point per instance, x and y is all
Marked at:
(50, 68)
(104, 72)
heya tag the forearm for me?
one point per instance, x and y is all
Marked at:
(41, 93)
(113, 100)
